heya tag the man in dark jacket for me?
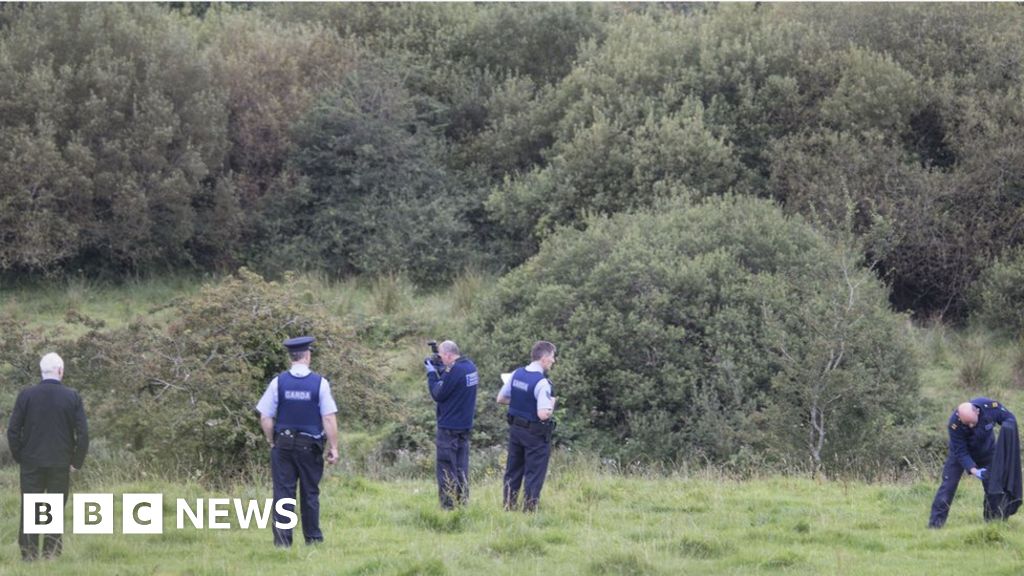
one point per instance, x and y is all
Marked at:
(971, 449)
(49, 437)
(453, 386)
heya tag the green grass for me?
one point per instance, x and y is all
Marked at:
(957, 365)
(47, 305)
(671, 525)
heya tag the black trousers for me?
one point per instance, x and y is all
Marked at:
(952, 471)
(452, 466)
(298, 460)
(527, 466)
(42, 480)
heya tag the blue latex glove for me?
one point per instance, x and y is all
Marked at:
(429, 366)
(981, 473)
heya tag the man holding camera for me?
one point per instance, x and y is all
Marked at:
(528, 394)
(452, 382)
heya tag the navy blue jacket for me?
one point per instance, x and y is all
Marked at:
(48, 426)
(970, 444)
(454, 391)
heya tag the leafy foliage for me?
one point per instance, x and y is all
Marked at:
(687, 332)
(378, 199)
(271, 74)
(182, 396)
(998, 294)
(353, 138)
(113, 130)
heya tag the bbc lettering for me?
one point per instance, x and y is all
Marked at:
(144, 513)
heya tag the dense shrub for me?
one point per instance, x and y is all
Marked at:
(360, 138)
(182, 396)
(998, 295)
(377, 198)
(21, 347)
(112, 133)
(271, 74)
(706, 332)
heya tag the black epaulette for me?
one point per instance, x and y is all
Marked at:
(953, 426)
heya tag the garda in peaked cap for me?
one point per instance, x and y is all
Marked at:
(299, 343)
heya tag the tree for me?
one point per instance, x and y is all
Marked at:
(118, 108)
(272, 73)
(996, 294)
(377, 197)
(833, 337)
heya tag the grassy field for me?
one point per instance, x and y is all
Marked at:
(592, 521)
(589, 523)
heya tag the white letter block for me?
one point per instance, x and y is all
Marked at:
(142, 514)
(44, 513)
(92, 514)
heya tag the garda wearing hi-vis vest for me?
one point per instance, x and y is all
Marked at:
(529, 437)
(297, 400)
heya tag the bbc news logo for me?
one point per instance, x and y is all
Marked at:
(144, 513)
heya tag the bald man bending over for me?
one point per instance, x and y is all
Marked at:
(971, 448)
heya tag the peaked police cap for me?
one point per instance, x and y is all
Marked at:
(299, 343)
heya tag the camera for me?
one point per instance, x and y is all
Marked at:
(435, 355)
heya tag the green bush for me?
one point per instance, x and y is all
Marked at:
(998, 293)
(376, 198)
(691, 332)
(112, 136)
(182, 397)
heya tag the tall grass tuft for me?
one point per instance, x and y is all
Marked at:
(445, 522)
(622, 564)
(77, 293)
(1017, 365)
(518, 541)
(976, 363)
(391, 294)
(781, 560)
(346, 297)
(989, 534)
(702, 548)
(468, 289)
(933, 339)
